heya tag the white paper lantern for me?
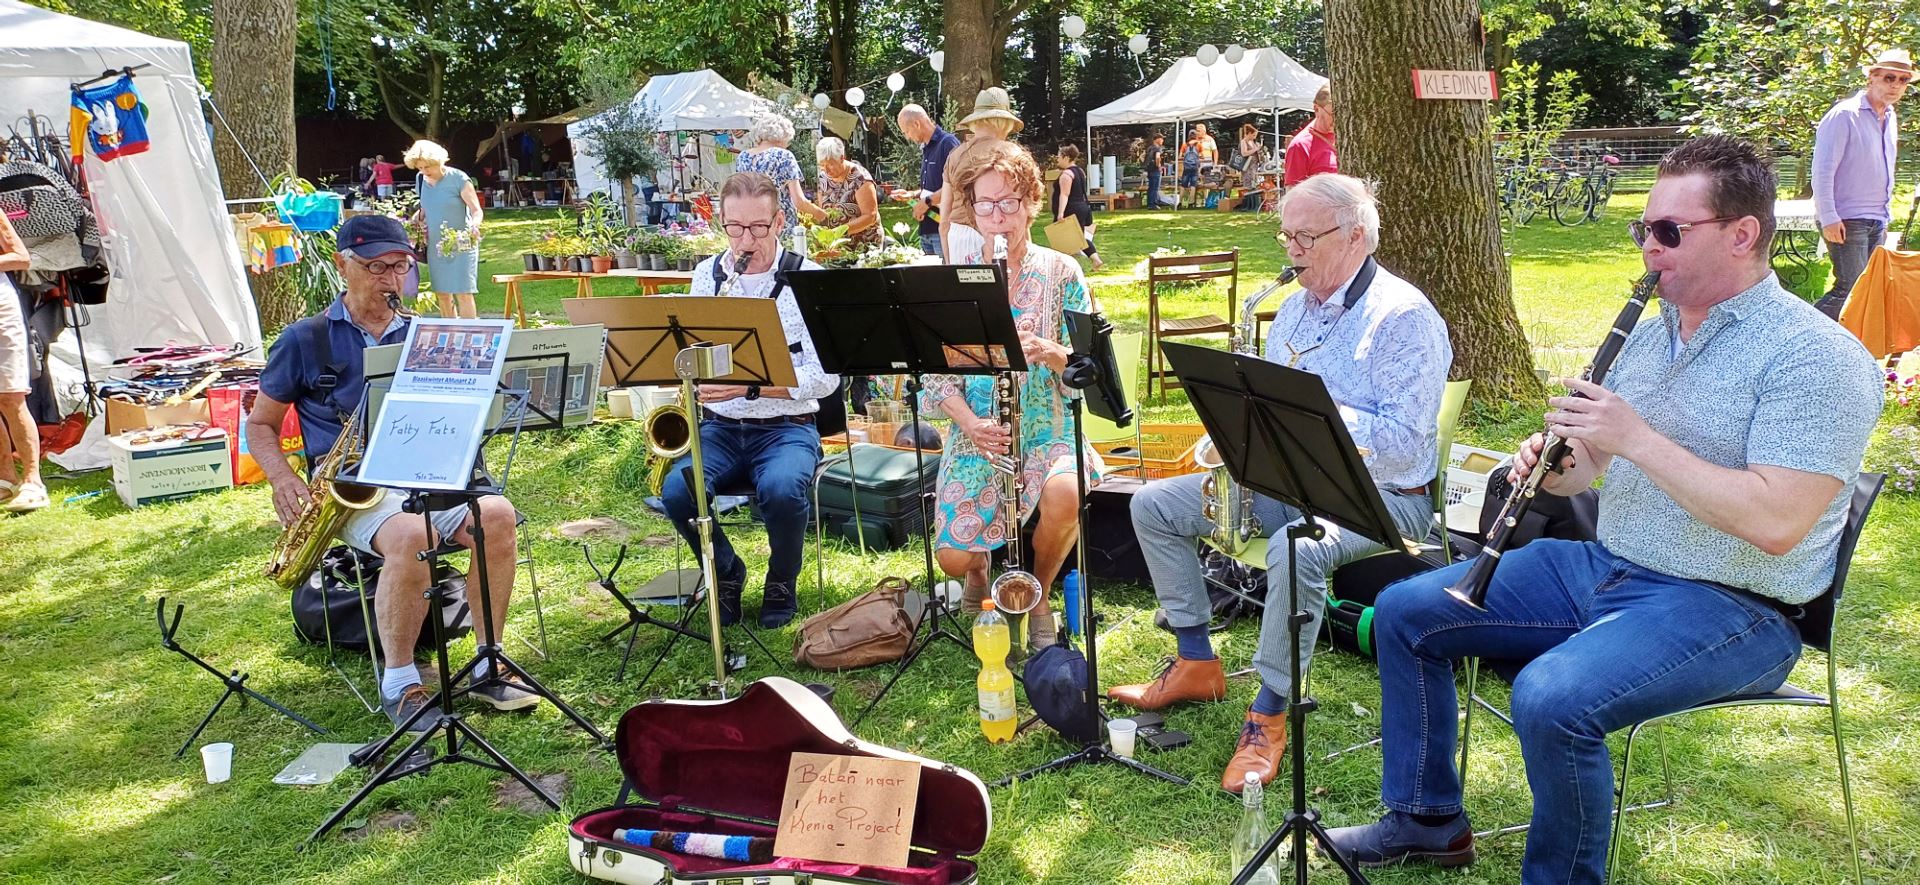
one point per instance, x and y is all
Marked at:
(856, 96)
(938, 60)
(1208, 54)
(1137, 44)
(1073, 26)
(895, 82)
(1234, 53)
(820, 101)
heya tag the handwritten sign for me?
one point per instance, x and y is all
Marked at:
(848, 809)
(1460, 85)
(425, 440)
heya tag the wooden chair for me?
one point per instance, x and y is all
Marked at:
(1179, 269)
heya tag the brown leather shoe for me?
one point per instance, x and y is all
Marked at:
(1179, 680)
(1263, 740)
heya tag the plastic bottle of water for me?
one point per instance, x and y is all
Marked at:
(1071, 592)
(990, 641)
(1253, 833)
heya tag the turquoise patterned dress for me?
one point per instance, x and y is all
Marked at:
(457, 272)
(967, 512)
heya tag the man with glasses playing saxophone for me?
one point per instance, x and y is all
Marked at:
(317, 369)
(1383, 352)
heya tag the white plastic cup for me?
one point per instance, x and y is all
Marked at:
(1120, 733)
(619, 403)
(218, 758)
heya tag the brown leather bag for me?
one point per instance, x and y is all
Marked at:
(873, 628)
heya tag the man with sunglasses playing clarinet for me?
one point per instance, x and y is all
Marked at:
(1727, 483)
(1853, 163)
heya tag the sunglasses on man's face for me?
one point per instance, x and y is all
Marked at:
(1897, 79)
(1667, 232)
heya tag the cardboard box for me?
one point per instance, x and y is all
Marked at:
(124, 416)
(163, 471)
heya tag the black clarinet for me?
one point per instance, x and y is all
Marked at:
(1472, 588)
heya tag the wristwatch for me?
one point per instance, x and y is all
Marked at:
(753, 392)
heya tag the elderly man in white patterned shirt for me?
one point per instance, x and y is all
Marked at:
(1383, 352)
(750, 432)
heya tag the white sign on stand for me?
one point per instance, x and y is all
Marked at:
(429, 429)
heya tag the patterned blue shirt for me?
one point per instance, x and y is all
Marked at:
(1385, 366)
(1766, 379)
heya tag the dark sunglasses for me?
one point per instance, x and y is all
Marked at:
(1901, 79)
(1666, 232)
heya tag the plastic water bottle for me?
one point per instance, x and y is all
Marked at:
(1071, 591)
(1253, 833)
(990, 641)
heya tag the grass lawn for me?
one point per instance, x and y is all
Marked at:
(93, 708)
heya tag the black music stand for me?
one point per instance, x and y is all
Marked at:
(459, 734)
(683, 341)
(1279, 433)
(916, 320)
(1091, 369)
(236, 681)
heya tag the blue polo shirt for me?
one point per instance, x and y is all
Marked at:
(292, 377)
(933, 170)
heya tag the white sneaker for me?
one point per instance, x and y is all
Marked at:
(31, 496)
(8, 489)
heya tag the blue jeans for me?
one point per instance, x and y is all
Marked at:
(1608, 644)
(1849, 260)
(779, 459)
(930, 243)
(1153, 187)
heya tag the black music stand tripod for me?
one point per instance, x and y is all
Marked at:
(1280, 434)
(236, 681)
(446, 720)
(1091, 367)
(916, 321)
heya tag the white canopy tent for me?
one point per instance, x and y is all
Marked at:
(696, 101)
(1266, 81)
(176, 269)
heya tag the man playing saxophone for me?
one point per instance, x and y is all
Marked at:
(316, 367)
(1383, 352)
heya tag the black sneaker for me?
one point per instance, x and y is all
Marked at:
(399, 709)
(778, 605)
(1398, 838)
(732, 582)
(504, 691)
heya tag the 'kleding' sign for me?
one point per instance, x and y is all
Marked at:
(1459, 85)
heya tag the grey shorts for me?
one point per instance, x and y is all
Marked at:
(13, 341)
(361, 527)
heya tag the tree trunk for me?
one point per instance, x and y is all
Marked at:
(841, 33)
(253, 45)
(973, 59)
(1433, 162)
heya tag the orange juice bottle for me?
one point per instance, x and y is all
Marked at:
(990, 641)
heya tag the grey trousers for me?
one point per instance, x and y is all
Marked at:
(1168, 522)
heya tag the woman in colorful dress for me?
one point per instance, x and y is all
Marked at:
(448, 204)
(997, 191)
(769, 156)
(846, 187)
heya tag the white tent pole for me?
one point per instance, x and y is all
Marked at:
(1111, 188)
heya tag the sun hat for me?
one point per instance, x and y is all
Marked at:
(993, 103)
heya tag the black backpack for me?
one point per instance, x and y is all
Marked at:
(328, 603)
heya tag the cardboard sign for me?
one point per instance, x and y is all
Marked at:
(425, 441)
(1459, 85)
(848, 809)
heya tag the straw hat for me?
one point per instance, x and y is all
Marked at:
(993, 103)
(1893, 60)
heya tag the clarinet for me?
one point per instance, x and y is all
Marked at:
(1472, 588)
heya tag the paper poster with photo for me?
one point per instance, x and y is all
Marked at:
(453, 356)
(425, 440)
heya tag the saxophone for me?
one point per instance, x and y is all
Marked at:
(1227, 504)
(329, 504)
(670, 427)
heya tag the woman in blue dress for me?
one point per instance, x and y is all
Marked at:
(769, 156)
(448, 203)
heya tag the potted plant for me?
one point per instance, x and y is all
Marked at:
(622, 139)
(677, 253)
(623, 255)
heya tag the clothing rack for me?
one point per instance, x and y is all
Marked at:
(126, 71)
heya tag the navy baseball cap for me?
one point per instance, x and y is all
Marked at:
(371, 236)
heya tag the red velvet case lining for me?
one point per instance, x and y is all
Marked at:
(599, 825)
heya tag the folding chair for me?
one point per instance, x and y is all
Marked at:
(1162, 270)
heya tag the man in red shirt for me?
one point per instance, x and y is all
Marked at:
(1311, 151)
(383, 175)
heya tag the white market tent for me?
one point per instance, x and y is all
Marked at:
(176, 269)
(696, 101)
(1266, 81)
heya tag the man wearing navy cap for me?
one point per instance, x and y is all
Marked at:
(317, 368)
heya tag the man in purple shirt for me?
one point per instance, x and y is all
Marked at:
(1853, 157)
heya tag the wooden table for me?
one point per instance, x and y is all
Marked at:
(648, 281)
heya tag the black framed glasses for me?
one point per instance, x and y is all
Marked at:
(1305, 240)
(736, 229)
(1667, 232)
(1005, 206)
(382, 268)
